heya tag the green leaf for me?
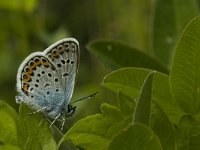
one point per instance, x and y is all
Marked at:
(8, 124)
(9, 147)
(185, 74)
(163, 97)
(129, 81)
(119, 55)
(188, 132)
(96, 131)
(126, 104)
(163, 128)
(194, 142)
(34, 132)
(143, 106)
(136, 137)
(168, 24)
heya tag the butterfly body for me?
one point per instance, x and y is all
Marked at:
(45, 80)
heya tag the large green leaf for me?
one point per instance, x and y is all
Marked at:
(119, 55)
(136, 137)
(34, 132)
(96, 131)
(143, 106)
(167, 25)
(188, 132)
(8, 125)
(163, 128)
(130, 80)
(163, 97)
(185, 74)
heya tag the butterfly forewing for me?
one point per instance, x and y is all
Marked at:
(64, 54)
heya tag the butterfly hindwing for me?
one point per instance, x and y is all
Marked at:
(38, 80)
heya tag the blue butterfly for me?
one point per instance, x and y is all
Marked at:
(45, 80)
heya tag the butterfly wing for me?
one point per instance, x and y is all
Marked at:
(38, 83)
(64, 55)
(46, 79)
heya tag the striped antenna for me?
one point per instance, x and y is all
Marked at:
(86, 97)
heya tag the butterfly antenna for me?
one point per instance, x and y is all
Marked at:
(86, 97)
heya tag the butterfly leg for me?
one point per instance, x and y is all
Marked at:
(39, 110)
(63, 123)
(54, 120)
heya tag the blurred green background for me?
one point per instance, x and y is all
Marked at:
(33, 25)
(151, 26)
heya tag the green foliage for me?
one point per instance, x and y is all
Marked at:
(168, 24)
(136, 137)
(24, 131)
(34, 130)
(143, 106)
(24, 5)
(156, 97)
(97, 130)
(8, 125)
(109, 51)
(185, 74)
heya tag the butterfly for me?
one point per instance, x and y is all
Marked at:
(45, 80)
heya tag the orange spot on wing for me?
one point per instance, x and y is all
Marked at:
(45, 63)
(29, 72)
(27, 79)
(25, 88)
